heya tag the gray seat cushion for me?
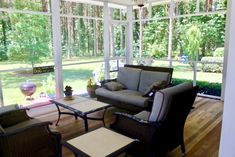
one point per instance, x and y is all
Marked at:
(126, 96)
(147, 78)
(129, 77)
(144, 115)
(162, 101)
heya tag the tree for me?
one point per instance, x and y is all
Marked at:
(30, 38)
(4, 21)
(192, 42)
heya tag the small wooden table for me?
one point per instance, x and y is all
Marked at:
(101, 142)
(80, 107)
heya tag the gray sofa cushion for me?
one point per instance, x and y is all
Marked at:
(129, 77)
(126, 96)
(147, 78)
(162, 101)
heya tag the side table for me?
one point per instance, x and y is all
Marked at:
(101, 142)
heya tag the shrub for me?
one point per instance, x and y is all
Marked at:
(157, 51)
(212, 67)
(219, 52)
(204, 87)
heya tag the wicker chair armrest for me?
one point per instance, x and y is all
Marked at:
(134, 127)
(13, 117)
(34, 125)
(37, 136)
(105, 81)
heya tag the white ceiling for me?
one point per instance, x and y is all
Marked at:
(130, 2)
(124, 2)
(117, 2)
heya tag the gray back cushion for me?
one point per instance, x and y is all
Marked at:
(129, 77)
(147, 78)
(162, 101)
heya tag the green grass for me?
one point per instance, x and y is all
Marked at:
(77, 76)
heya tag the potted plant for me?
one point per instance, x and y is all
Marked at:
(91, 87)
(68, 91)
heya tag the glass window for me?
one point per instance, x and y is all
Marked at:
(17, 87)
(77, 76)
(200, 38)
(32, 5)
(118, 14)
(118, 42)
(212, 5)
(136, 30)
(160, 10)
(80, 9)
(155, 38)
(81, 37)
(136, 14)
(25, 40)
(185, 7)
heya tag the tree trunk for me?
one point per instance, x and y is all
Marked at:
(3, 55)
(69, 33)
(95, 39)
(209, 5)
(44, 6)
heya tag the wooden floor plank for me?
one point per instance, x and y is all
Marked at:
(202, 128)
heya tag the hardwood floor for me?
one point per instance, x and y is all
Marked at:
(202, 128)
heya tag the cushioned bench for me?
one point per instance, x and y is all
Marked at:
(135, 81)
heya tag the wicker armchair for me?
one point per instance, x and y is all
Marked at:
(22, 136)
(162, 129)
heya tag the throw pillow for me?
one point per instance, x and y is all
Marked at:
(114, 86)
(158, 85)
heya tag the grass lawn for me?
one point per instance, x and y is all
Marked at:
(76, 76)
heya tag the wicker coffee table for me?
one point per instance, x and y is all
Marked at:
(101, 142)
(80, 107)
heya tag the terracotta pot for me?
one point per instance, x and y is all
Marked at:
(91, 91)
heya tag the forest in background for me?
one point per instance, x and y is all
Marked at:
(27, 37)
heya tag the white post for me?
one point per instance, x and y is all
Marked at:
(171, 12)
(129, 36)
(141, 33)
(111, 35)
(198, 6)
(194, 73)
(150, 10)
(169, 57)
(227, 141)
(224, 74)
(106, 40)
(120, 28)
(171, 15)
(57, 49)
(1, 94)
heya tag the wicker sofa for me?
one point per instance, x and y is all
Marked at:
(136, 79)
